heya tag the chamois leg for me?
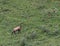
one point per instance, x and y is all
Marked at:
(14, 32)
(18, 30)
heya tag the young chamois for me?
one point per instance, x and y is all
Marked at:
(18, 28)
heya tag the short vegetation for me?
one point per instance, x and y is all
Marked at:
(40, 22)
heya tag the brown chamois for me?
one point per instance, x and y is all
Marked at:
(18, 28)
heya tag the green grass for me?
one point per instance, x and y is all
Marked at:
(40, 18)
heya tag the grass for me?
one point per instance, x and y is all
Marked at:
(40, 18)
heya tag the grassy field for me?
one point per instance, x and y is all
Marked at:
(40, 22)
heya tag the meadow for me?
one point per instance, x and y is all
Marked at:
(40, 22)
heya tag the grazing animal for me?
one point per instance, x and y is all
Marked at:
(18, 28)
